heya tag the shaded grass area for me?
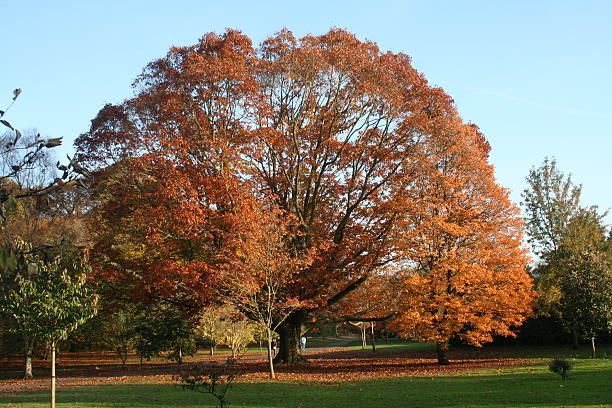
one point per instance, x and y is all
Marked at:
(604, 351)
(589, 385)
(396, 345)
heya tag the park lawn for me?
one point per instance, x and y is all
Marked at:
(402, 346)
(589, 385)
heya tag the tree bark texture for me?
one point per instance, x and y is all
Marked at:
(289, 345)
(373, 337)
(362, 333)
(27, 357)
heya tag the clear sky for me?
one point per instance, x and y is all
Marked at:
(535, 75)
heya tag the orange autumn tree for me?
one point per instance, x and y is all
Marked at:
(165, 178)
(335, 149)
(466, 274)
(327, 129)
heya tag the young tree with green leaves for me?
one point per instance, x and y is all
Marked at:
(550, 201)
(49, 302)
(583, 264)
(573, 273)
(164, 328)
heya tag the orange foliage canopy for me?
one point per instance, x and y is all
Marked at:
(466, 275)
(344, 139)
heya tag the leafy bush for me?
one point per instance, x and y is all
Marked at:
(561, 367)
(214, 378)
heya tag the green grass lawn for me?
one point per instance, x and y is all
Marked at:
(589, 385)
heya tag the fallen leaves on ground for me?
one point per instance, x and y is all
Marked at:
(325, 366)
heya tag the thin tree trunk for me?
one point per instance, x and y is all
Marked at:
(441, 349)
(212, 350)
(270, 356)
(47, 353)
(373, 338)
(27, 357)
(593, 355)
(52, 373)
(362, 331)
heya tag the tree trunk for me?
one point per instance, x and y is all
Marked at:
(441, 349)
(289, 344)
(52, 373)
(212, 350)
(27, 357)
(270, 355)
(179, 358)
(574, 338)
(373, 338)
(47, 352)
(593, 347)
(362, 331)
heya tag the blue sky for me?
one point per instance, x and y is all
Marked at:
(534, 75)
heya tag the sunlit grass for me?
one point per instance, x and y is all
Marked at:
(589, 385)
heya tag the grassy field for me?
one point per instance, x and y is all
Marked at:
(589, 385)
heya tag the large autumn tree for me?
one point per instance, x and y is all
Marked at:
(326, 129)
(465, 274)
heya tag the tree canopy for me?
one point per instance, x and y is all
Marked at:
(328, 130)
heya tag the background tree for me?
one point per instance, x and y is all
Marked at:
(583, 267)
(119, 329)
(20, 157)
(561, 232)
(227, 326)
(164, 329)
(550, 201)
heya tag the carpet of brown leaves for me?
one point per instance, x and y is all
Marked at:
(325, 366)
